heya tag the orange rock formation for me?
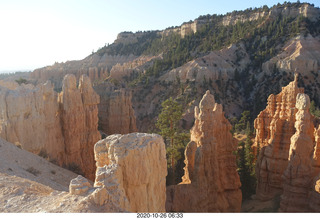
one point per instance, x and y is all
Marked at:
(79, 117)
(131, 174)
(316, 153)
(65, 128)
(298, 174)
(211, 182)
(274, 128)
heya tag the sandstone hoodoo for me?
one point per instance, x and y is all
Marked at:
(274, 128)
(131, 173)
(298, 174)
(63, 127)
(211, 182)
(79, 118)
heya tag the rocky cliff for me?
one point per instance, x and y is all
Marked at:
(116, 115)
(274, 128)
(96, 67)
(300, 54)
(211, 182)
(30, 118)
(297, 177)
(63, 128)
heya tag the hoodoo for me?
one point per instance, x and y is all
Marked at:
(131, 174)
(211, 182)
(297, 177)
(274, 128)
(63, 127)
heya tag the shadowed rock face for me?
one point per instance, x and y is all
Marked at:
(116, 115)
(211, 182)
(298, 175)
(64, 127)
(274, 128)
(314, 198)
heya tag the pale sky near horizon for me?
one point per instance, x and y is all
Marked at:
(37, 33)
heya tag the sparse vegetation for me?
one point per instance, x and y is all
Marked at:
(33, 171)
(43, 153)
(22, 81)
(314, 110)
(74, 168)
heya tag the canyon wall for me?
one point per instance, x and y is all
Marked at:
(211, 182)
(29, 118)
(62, 127)
(96, 67)
(274, 128)
(116, 115)
(131, 173)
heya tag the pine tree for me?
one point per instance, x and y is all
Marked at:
(175, 138)
(246, 165)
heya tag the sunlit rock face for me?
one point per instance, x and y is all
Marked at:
(131, 172)
(297, 177)
(79, 121)
(63, 127)
(211, 182)
(274, 128)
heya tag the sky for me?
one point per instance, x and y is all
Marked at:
(38, 33)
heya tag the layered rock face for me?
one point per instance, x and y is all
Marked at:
(96, 67)
(131, 173)
(116, 115)
(298, 174)
(300, 54)
(211, 182)
(274, 128)
(29, 118)
(123, 71)
(64, 127)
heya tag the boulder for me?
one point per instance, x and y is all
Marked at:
(132, 168)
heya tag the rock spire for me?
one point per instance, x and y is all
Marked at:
(211, 182)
